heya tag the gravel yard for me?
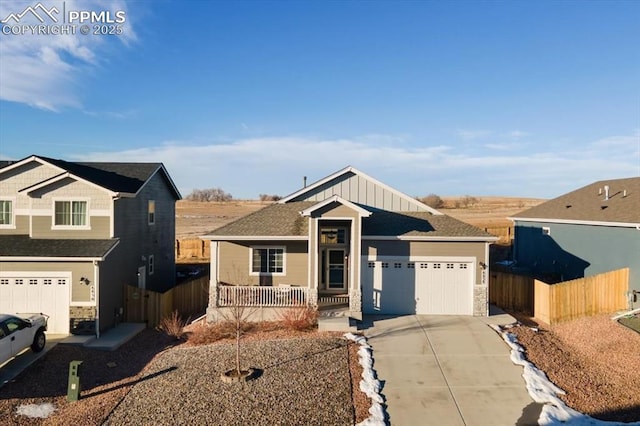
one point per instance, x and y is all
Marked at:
(595, 360)
(303, 381)
(305, 378)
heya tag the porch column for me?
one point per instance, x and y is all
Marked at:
(213, 281)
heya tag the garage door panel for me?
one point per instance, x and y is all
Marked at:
(402, 286)
(48, 294)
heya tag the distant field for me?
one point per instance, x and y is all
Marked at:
(194, 218)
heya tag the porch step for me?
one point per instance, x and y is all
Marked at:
(337, 324)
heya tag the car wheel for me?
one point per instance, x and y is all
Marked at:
(38, 341)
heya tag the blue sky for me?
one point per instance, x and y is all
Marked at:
(527, 98)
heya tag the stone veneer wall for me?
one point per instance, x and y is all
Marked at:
(83, 319)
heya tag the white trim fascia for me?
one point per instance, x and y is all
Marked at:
(463, 259)
(419, 238)
(62, 176)
(49, 259)
(577, 222)
(351, 169)
(171, 183)
(336, 199)
(253, 238)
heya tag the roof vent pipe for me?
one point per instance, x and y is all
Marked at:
(624, 194)
(606, 192)
(304, 181)
(599, 191)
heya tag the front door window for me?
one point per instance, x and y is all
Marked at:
(335, 269)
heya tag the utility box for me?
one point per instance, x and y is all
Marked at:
(73, 389)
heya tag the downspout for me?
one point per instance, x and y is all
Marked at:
(96, 280)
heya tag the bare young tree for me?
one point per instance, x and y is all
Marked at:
(433, 200)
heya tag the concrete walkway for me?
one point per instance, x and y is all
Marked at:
(448, 370)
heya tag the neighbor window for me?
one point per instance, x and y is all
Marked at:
(152, 212)
(152, 264)
(267, 260)
(546, 230)
(6, 213)
(71, 213)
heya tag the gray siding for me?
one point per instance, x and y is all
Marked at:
(360, 190)
(575, 251)
(139, 239)
(100, 228)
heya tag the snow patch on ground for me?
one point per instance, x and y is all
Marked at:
(369, 384)
(554, 411)
(40, 411)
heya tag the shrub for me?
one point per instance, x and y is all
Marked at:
(299, 319)
(433, 200)
(173, 326)
(267, 197)
(210, 333)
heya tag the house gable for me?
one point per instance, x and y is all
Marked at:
(333, 203)
(357, 187)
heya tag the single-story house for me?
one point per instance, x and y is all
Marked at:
(73, 234)
(349, 238)
(591, 230)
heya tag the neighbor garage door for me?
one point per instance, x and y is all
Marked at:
(399, 285)
(22, 293)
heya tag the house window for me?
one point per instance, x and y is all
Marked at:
(385, 264)
(4, 281)
(151, 264)
(449, 265)
(6, 213)
(546, 230)
(411, 265)
(33, 281)
(267, 260)
(397, 265)
(463, 266)
(333, 236)
(372, 264)
(152, 212)
(71, 213)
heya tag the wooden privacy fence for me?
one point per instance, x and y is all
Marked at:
(602, 293)
(192, 249)
(511, 291)
(189, 299)
(280, 296)
(505, 233)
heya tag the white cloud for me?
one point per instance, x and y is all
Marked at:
(249, 167)
(42, 70)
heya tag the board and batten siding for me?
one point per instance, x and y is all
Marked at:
(360, 190)
(235, 263)
(427, 248)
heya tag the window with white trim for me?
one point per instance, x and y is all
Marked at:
(71, 213)
(6, 213)
(267, 260)
(546, 230)
(151, 264)
(152, 212)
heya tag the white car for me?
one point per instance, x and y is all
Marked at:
(17, 334)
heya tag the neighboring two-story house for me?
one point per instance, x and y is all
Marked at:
(73, 234)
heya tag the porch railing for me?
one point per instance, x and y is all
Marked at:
(279, 296)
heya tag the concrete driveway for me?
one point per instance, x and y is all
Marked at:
(448, 370)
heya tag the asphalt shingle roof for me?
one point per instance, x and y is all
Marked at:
(588, 203)
(23, 246)
(285, 220)
(117, 177)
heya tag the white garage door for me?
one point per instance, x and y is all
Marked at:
(46, 293)
(400, 285)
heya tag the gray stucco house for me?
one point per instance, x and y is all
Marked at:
(588, 231)
(351, 239)
(72, 235)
